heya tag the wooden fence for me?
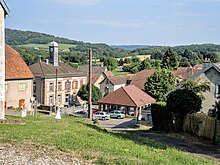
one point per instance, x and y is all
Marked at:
(202, 126)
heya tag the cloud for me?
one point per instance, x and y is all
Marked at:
(76, 2)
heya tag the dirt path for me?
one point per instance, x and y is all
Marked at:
(192, 145)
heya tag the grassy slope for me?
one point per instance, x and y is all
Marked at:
(78, 137)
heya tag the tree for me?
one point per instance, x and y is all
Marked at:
(111, 63)
(127, 60)
(158, 84)
(121, 62)
(135, 59)
(180, 102)
(197, 88)
(145, 64)
(84, 93)
(169, 60)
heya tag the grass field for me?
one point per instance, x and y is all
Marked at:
(119, 71)
(45, 46)
(89, 142)
(142, 57)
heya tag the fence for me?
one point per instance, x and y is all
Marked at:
(203, 126)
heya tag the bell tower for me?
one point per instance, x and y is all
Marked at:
(53, 53)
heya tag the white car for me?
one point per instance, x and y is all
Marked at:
(100, 116)
(117, 114)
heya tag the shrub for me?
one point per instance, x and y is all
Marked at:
(161, 117)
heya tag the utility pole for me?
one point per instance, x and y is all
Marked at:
(90, 85)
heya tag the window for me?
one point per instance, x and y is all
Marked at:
(51, 100)
(67, 85)
(51, 88)
(21, 86)
(106, 89)
(67, 99)
(75, 84)
(59, 86)
(59, 99)
(34, 87)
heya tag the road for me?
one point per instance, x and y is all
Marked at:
(118, 124)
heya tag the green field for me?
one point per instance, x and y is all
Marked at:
(80, 138)
(119, 71)
(45, 46)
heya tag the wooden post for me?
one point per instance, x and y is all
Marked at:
(90, 85)
(35, 108)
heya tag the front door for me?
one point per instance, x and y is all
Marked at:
(21, 103)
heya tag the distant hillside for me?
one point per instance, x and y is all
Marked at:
(31, 45)
(129, 47)
(19, 37)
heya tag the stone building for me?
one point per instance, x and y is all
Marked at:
(3, 12)
(211, 74)
(56, 83)
(18, 80)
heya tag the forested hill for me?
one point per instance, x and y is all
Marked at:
(33, 45)
(19, 37)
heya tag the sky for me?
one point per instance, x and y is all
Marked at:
(120, 22)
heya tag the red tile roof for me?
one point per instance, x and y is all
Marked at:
(15, 67)
(95, 77)
(108, 73)
(117, 80)
(185, 73)
(140, 78)
(128, 96)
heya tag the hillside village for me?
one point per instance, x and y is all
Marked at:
(137, 97)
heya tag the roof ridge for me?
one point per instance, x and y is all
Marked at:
(128, 94)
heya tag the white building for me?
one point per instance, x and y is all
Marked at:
(3, 12)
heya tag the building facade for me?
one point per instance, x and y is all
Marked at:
(18, 81)
(211, 74)
(3, 12)
(56, 83)
(112, 83)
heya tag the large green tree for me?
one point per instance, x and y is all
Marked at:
(196, 87)
(180, 102)
(84, 93)
(111, 63)
(158, 84)
(169, 60)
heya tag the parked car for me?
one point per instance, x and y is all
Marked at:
(117, 114)
(94, 110)
(100, 116)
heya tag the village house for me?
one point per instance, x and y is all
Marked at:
(98, 74)
(211, 74)
(100, 78)
(112, 83)
(140, 78)
(4, 10)
(56, 83)
(185, 73)
(18, 80)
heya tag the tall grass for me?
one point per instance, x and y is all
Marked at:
(89, 142)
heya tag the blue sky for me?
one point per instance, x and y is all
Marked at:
(116, 22)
